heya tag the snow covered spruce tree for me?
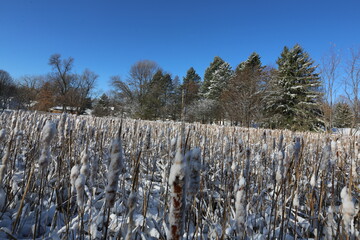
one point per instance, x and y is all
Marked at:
(293, 98)
(191, 86)
(343, 115)
(216, 77)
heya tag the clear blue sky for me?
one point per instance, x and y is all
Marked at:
(109, 36)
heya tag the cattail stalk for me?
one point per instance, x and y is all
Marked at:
(177, 184)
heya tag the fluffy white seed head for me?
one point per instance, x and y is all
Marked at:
(194, 167)
(44, 158)
(240, 207)
(313, 180)
(296, 199)
(115, 168)
(73, 176)
(348, 208)
(80, 187)
(177, 170)
(48, 132)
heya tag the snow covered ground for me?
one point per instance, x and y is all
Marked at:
(68, 177)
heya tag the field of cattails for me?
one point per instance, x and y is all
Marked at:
(79, 177)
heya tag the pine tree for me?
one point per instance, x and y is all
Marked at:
(209, 74)
(156, 104)
(215, 79)
(343, 115)
(102, 107)
(293, 101)
(253, 63)
(190, 86)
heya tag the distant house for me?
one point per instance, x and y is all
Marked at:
(73, 110)
(59, 109)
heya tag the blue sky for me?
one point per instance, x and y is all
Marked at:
(109, 36)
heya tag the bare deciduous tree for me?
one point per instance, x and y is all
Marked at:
(352, 82)
(62, 77)
(85, 85)
(330, 73)
(7, 88)
(133, 92)
(73, 90)
(141, 74)
(29, 89)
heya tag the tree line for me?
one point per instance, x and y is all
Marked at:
(297, 94)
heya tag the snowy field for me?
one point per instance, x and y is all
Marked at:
(68, 177)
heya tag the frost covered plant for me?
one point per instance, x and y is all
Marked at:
(115, 168)
(240, 208)
(177, 195)
(4, 162)
(330, 227)
(2, 198)
(47, 135)
(73, 176)
(85, 168)
(194, 167)
(348, 209)
(80, 186)
(2, 135)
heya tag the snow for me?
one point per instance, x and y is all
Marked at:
(48, 132)
(214, 190)
(348, 208)
(177, 169)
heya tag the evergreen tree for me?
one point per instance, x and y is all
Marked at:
(293, 101)
(102, 107)
(215, 79)
(214, 65)
(343, 115)
(156, 104)
(175, 103)
(253, 63)
(190, 86)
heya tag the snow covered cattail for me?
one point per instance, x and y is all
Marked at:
(313, 180)
(61, 127)
(280, 170)
(73, 176)
(2, 135)
(173, 144)
(115, 168)
(246, 172)
(94, 169)
(80, 186)
(132, 204)
(147, 138)
(296, 199)
(48, 132)
(44, 157)
(330, 227)
(4, 162)
(2, 198)
(177, 184)
(85, 169)
(194, 167)
(240, 208)
(348, 209)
